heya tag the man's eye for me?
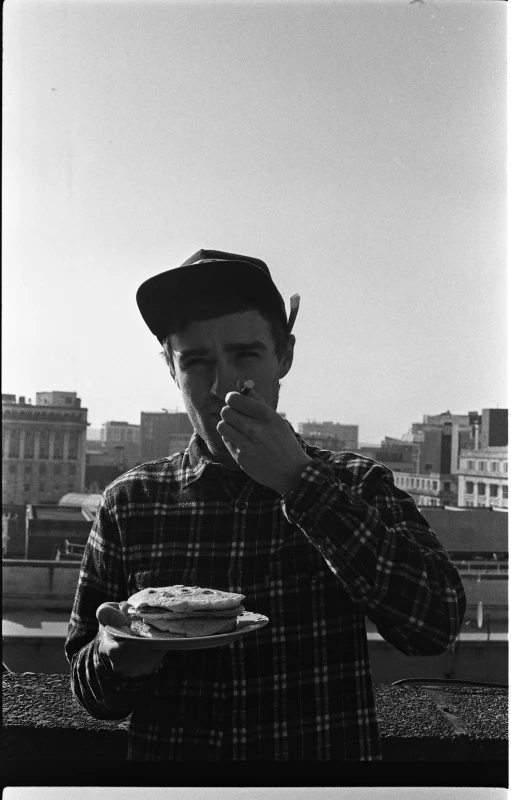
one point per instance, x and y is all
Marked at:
(194, 362)
(248, 354)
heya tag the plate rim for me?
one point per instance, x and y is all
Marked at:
(216, 637)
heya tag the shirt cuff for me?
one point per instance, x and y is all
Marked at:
(118, 682)
(313, 487)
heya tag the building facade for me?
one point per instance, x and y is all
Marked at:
(43, 447)
(163, 433)
(426, 490)
(483, 478)
(122, 432)
(329, 435)
(396, 454)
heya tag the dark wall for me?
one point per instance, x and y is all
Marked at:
(494, 430)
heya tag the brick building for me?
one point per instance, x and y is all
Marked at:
(163, 433)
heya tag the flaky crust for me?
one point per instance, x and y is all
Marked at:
(181, 598)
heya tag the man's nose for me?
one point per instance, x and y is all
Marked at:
(223, 382)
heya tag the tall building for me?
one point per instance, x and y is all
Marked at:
(43, 447)
(163, 433)
(440, 438)
(329, 435)
(494, 427)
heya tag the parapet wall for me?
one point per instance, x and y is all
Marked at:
(42, 721)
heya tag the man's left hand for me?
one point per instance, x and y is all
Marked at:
(261, 441)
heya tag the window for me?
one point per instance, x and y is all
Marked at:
(470, 487)
(29, 444)
(470, 505)
(422, 483)
(481, 488)
(504, 492)
(505, 466)
(73, 447)
(494, 466)
(494, 490)
(471, 464)
(13, 469)
(26, 487)
(481, 466)
(435, 485)
(14, 444)
(44, 444)
(57, 469)
(447, 486)
(58, 445)
(71, 469)
(41, 487)
(42, 469)
(28, 469)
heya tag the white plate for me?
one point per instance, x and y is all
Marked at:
(248, 623)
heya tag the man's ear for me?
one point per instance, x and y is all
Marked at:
(287, 359)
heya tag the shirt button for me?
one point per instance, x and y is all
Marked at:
(241, 506)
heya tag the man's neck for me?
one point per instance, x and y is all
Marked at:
(223, 458)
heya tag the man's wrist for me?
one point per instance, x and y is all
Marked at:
(294, 477)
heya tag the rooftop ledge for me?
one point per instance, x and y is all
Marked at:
(42, 723)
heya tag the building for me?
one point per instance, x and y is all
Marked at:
(483, 478)
(49, 527)
(119, 445)
(426, 490)
(43, 447)
(397, 454)
(329, 435)
(122, 432)
(494, 427)
(163, 433)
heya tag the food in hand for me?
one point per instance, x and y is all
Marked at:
(182, 611)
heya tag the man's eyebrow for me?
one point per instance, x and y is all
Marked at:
(233, 347)
(257, 345)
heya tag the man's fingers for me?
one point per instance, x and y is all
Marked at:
(236, 437)
(109, 614)
(252, 405)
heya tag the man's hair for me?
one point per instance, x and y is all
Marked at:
(211, 305)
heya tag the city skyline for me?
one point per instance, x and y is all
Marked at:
(359, 149)
(177, 410)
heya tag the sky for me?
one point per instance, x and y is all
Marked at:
(357, 148)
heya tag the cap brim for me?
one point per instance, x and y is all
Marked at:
(157, 295)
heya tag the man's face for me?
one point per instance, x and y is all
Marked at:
(210, 356)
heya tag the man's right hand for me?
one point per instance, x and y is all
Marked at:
(127, 658)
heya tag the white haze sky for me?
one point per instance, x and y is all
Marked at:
(358, 148)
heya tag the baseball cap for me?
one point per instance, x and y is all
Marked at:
(210, 270)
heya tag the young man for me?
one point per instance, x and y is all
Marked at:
(315, 540)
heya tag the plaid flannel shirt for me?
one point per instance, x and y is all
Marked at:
(343, 543)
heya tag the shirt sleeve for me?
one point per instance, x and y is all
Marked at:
(374, 539)
(101, 691)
